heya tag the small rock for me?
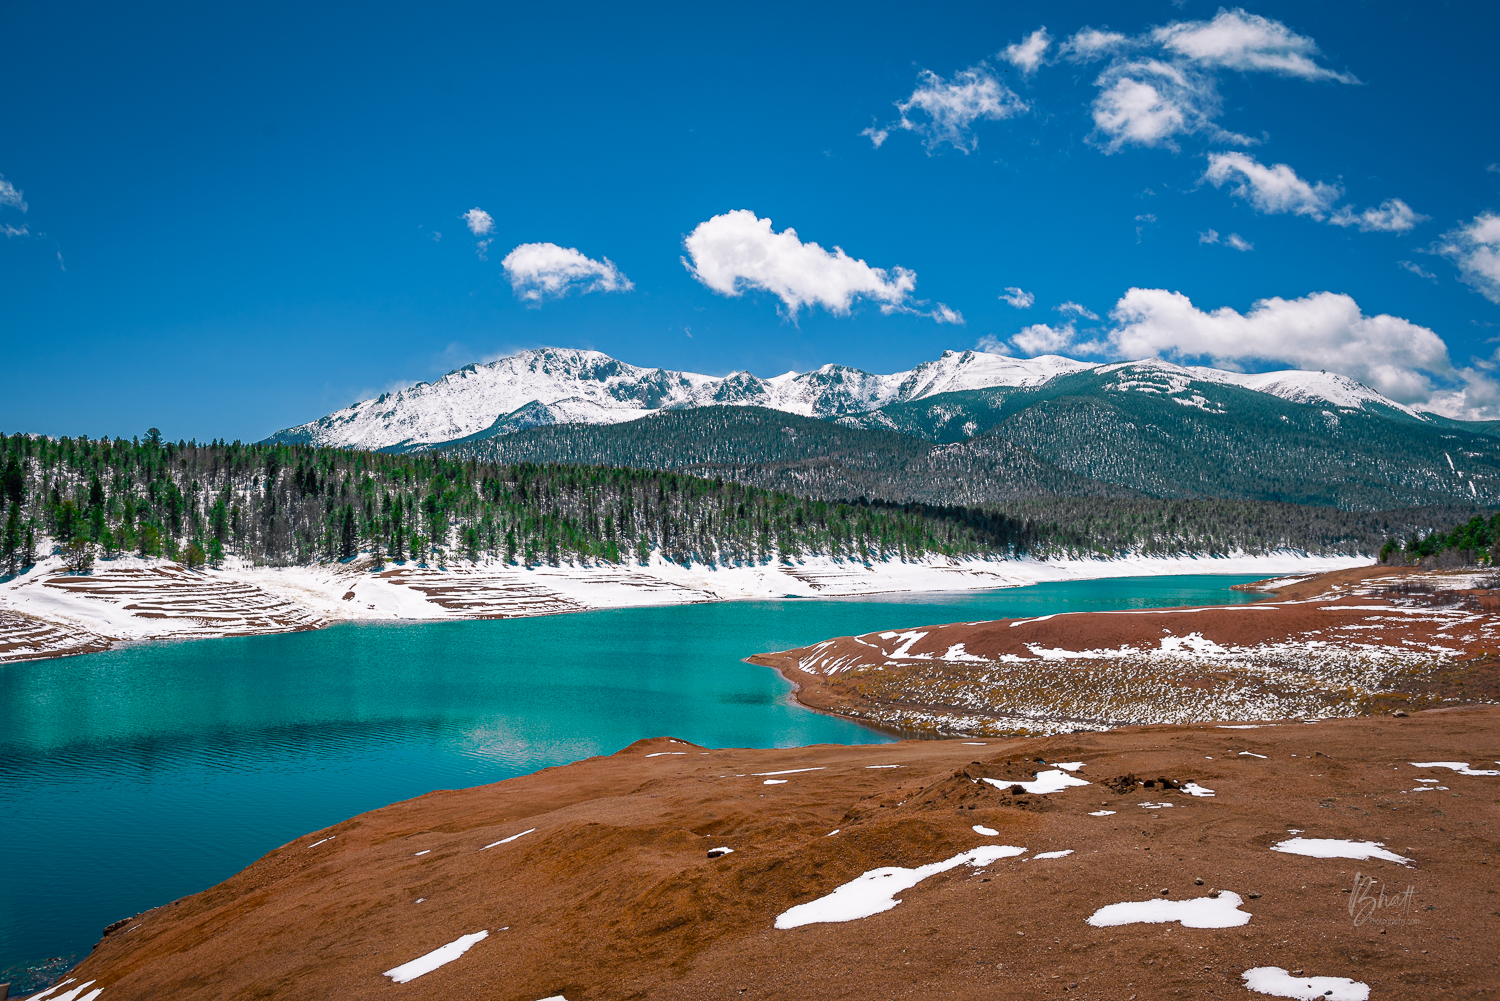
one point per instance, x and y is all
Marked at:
(1253, 896)
(1197, 882)
(1298, 973)
(1399, 713)
(1165, 891)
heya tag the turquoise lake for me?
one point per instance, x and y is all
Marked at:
(131, 778)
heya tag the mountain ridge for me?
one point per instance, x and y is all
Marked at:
(544, 386)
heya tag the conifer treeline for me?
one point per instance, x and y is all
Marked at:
(294, 504)
(279, 504)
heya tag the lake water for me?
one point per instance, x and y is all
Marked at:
(131, 778)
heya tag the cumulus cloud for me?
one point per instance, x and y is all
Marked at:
(11, 231)
(540, 271)
(1027, 55)
(1475, 249)
(1077, 309)
(1246, 42)
(1325, 330)
(1146, 102)
(1090, 44)
(1278, 189)
(1393, 216)
(480, 222)
(1043, 339)
(737, 251)
(1237, 242)
(1162, 84)
(10, 196)
(1272, 189)
(944, 111)
(1018, 297)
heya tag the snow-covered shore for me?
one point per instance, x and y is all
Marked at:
(49, 612)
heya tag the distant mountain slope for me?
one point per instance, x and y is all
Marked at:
(1004, 429)
(1155, 428)
(565, 386)
(767, 448)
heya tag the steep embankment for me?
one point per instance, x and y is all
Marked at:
(1349, 643)
(958, 875)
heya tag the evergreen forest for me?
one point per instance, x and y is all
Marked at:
(288, 504)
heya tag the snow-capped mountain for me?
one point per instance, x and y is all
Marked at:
(567, 386)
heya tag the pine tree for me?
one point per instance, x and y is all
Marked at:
(10, 544)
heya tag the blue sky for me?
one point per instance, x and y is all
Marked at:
(225, 219)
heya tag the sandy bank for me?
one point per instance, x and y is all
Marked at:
(48, 612)
(1347, 643)
(597, 880)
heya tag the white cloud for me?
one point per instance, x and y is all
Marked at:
(539, 271)
(1028, 54)
(942, 314)
(1162, 84)
(737, 250)
(1324, 330)
(1146, 102)
(1417, 270)
(11, 231)
(1475, 248)
(479, 221)
(1212, 236)
(1017, 297)
(1090, 44)
(1077, 309)
(1273, 189)
(944, 111)
(1238, 242)
(1393, 216)
(1278, 189)
(1042, 339)
(10, 196)
(1247, 42)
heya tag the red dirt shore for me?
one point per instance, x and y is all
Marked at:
(1355, 642)
(612, 893)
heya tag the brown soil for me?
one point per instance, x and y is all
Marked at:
(1361, 641)
(613, 895)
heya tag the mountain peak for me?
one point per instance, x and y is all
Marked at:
(580, 385)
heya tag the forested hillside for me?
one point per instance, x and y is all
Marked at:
(1149, 428)
(290, 504)
(800, 455)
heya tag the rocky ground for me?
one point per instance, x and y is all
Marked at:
(1351, 643)
(600, 879)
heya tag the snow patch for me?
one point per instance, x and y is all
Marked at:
(1275, 981)
(506, 841)
(1222, 911)
(441, 956)
(1338, 848)
(875, 891)
(1049, 781)
(1461, 767)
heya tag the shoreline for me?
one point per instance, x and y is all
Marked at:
(48, 612)
(652, 872)
(1361, 641)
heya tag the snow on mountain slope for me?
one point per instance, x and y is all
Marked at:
(1294, 385)
(564, 385)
